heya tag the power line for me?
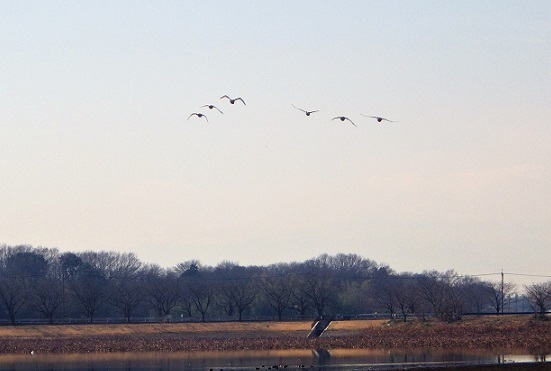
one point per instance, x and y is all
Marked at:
(527, 275)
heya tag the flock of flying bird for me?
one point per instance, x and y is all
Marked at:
(308, 113)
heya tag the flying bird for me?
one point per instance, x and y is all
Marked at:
(232, 101)
(342, 118)
(379, 119)
(212, 106)
(198, 115)
(306, 112)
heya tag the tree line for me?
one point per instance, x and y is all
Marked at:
(38, 283)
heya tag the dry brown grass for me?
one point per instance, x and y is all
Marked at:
(489, 332)
(232, 329)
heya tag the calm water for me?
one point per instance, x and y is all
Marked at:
(293, 359)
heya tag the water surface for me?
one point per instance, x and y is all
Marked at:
(320, 359)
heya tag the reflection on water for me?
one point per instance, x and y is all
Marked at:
(318, 359)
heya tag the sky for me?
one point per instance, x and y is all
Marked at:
(98, 152)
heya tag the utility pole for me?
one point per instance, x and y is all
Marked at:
(502, 293)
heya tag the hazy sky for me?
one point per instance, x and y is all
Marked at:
(96, 152)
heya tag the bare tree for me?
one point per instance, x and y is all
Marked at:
(112, 264)
(415, 303)
(317, 285)
(163, 289)
(405, 295)
(126, 294)
(497, 294)
(539, 296)
(47, 297)
(351, 267)
(299, 302)
(476, 294)
(276, 288)
(68, 265)
(237, 289)
(21, 268)
(202, 290)
(442, 291)
(90, 289)
(383, 289)
(13, 295)
(188, 273)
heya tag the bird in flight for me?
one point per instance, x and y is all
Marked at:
(212, 106)
(342, 118)
(232, 101)
(379, 119)
(306, 112)
(198, 115)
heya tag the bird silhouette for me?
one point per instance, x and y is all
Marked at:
(233, 100)
(198, 115)
(342, 118)
(212, 106)
(378, 118)
(306, 112)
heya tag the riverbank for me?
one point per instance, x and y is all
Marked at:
(488, 332)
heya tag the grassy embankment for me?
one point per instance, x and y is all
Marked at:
(488, 332)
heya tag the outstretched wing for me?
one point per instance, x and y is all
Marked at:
(236, 99)
(211, 106)
(352, 122)
(300, 109)
(378, 118)
(198, 115)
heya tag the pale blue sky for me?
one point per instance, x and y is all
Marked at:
(96, 152)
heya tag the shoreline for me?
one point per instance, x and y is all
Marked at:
(361, 359)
